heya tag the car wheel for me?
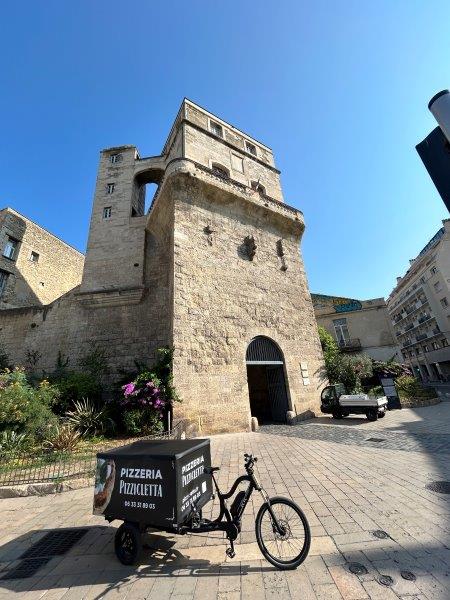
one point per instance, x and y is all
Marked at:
(372, 415)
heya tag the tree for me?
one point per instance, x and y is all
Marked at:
(341, 368)
(331, 355)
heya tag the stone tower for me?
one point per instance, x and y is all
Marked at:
(217, 263)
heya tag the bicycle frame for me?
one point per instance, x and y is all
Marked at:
(231, 523)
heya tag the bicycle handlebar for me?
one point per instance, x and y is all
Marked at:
(250, 460)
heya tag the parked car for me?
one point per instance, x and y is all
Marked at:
(335, 401)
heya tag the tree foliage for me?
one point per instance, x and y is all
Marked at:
(342, 368)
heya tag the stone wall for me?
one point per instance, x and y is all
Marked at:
(127, 331)
(58, 268)
(222, 300)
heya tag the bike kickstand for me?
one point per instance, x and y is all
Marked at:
(230, 551)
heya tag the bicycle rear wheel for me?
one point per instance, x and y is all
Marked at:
(286, 550)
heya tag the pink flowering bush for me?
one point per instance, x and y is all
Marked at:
(142, 403)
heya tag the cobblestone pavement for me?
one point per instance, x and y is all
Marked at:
(399, 430)
(347, 486)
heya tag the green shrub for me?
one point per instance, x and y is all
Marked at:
(86, 418)
(73, 387)
(10, 441)
(139, 423)
(25, 408)
(409, 387)
(62, 438)
(353, 369)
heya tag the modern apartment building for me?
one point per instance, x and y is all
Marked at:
(358, 326)
(419, 307)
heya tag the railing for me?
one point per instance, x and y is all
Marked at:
(353, 344)
(24, 466)
(424, 318)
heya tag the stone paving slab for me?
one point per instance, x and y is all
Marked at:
(347, 489)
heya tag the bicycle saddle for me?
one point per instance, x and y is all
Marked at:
(210, 470)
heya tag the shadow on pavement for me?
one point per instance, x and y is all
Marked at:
(92, 562)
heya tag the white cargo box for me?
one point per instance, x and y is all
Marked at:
(349, 400)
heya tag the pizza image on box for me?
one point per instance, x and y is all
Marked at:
(104, 484)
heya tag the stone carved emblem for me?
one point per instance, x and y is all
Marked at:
(209, 233)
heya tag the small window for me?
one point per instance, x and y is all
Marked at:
(251, 148)
(437, 286)
(444, 342)
(237, 163)
(258, 188)
(3, 280)
(426, 348)
(107, 212)
(216, 129)
(10, 249)
(435, 345)
(433, 270)
(422, 279)
(110, 188)
(34, 257)
(220, 171)
(444, 302)
(115, 158)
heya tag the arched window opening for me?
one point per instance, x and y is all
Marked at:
(263, 350)
(258, 188)
(145, 189)
(220, 171)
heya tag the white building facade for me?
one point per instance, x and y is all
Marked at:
(419, 307)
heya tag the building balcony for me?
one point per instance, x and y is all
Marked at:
(350, 345)
(404, 314)
(424, 318)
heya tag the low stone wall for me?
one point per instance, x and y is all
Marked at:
(419, 402)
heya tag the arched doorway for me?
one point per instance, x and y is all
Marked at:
(266, 381)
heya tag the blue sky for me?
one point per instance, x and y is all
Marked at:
(339, 90)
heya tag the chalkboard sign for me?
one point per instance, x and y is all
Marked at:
(390, 391)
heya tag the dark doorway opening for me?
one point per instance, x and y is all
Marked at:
(266, 381)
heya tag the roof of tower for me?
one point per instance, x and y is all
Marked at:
(215, 117)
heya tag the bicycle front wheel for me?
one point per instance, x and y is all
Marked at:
(289, 548)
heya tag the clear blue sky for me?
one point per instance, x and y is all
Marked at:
(339, 90)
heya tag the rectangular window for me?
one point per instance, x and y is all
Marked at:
(216, 129)
(341, 331)
(433, 270)
(437, 286)
(444, 302)
(107, 212)
(435, 346)
(444, 342)
(237, 163)
(115, 158)
(110, 188)
(10, 249)
(251, 148)
(425, 348)
(3, 280)
(34, 257)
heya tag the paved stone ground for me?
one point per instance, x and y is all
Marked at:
(347, 486)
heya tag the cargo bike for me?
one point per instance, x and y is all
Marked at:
(163, 485)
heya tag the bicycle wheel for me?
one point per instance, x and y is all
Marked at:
(289, 549)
